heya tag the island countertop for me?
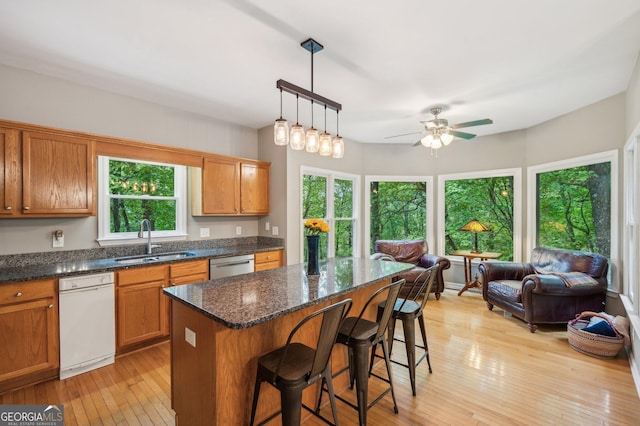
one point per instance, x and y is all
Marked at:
(244, 301)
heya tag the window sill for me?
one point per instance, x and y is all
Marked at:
(105, 242)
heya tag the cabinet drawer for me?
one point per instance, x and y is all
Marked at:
(269, 257)
(20, 292)
(193, 267)
(141, 275)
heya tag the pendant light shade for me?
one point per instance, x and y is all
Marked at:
(427, 140)
(297, 137)
(281, 132)
(337, 147)
(446, 138)
(326, 147)
(312, 140)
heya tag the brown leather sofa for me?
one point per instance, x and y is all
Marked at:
(543, 291)
(415, 252)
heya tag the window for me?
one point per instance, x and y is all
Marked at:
(570, 204)
(331, 196)
(399, 208)
(130, 191)
(493, 198)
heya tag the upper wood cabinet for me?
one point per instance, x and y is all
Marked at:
(46, 175)
(227, 186)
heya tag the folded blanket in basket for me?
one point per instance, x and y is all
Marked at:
(576, 279)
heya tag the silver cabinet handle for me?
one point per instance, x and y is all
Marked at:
(18, 294)
(50, 306)
(26, 207)
(7, 208)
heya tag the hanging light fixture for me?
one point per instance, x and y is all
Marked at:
(312, 141)
(337, 144)
(281, 128)
(325, 138)
(297, 132)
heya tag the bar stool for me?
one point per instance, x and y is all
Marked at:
(360, 334)
(296, 366)
(408, 311)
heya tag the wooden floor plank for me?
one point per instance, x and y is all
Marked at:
(488, 369)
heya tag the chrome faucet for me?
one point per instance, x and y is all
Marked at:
(141, 234)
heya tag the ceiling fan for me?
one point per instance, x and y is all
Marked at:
(438, 132)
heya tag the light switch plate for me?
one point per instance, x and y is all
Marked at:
(190, 336)
(238, 230)
(274, 230)
(267, 226)
(204, 232)
(57, 242)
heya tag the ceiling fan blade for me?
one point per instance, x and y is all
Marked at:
(472, 123)
(462, 135)
(417, 143)
(404, 134)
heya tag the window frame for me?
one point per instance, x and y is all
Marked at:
(331, 176)
(429, 209)
(516, 174)
(107, 238)
(532, 204)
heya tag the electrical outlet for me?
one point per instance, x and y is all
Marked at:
(238, 230)
(267, 225)
(204, 232)
(190, 336)
(57, 239)
(274, 230)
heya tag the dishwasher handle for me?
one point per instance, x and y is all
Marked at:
(242, 262)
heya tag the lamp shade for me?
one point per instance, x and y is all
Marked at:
(427, 140)
(337, 147)
(325, 144)
(297, 137)
(281, 132)
(446, 138)
(312, 140)
(475, 226)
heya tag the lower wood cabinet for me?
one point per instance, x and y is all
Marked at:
(29, 348)
(268, 260)
(142, 308)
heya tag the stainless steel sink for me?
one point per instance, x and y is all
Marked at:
(148, 258)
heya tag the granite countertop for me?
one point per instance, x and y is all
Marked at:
(75, 265)
(246, 300)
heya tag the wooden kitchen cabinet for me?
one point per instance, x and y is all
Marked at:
(29, 335)
(142, 308)
(268, 260)
(46, 175)
(228, 186)
(192, 271)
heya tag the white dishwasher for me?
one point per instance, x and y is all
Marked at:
(87, 323)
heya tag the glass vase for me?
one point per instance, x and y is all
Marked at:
(312, 254)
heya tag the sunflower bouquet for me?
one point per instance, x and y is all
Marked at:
(315, 226)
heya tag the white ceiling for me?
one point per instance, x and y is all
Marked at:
(517, 62)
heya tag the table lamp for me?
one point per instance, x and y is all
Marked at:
(475, 226)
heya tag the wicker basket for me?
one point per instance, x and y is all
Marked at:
(593, 344)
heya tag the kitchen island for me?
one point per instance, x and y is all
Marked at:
(220, 327)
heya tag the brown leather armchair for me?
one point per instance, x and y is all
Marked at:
(415, 252)
(544, 290)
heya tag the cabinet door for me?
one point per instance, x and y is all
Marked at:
(254, 188)
(142, 313)
(220, 189)
(9, 169)
(268, 260)
(188, 272)
(58, 175)
(28, 333)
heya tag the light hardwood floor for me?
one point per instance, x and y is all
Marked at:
(487, 370)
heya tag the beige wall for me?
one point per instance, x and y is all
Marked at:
(37, 99)
(633, 101)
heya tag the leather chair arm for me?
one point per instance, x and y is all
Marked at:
(550, 284)
(493, 271)
(428, 260)
(382, 256)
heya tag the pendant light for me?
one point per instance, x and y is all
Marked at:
(325, 138)
(297, 132)
(337, 145)
(312, 138)
(281, 128)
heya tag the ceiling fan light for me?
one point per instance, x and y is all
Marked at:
(427, 140)
(337, 147)
(326, 147)
(281, 132)
(297, 137)
(312, 140)
(436, 144)
(446, 138)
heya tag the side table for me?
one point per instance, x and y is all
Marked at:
(468, 257)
